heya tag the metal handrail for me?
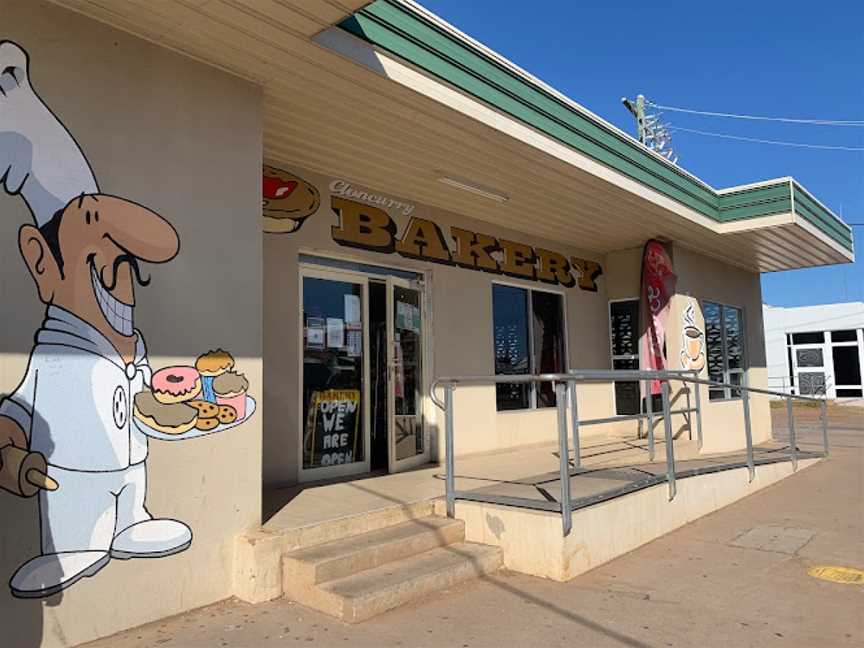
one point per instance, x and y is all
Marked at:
(565, 392)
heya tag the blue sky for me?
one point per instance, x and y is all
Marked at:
(764, 58)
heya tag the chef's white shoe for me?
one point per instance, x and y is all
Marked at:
(48, 574)
(151, 539)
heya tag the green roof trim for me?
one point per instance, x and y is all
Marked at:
(753, 202)
(410, 35)
(814, 212)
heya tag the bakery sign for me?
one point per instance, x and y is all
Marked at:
(364, 223)
(368, 227)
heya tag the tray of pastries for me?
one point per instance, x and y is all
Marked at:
(186, 402)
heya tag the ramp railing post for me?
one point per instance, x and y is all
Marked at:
(687, 387)
(574, 424)
(449, 462)
(748, 432)
(698, 398)
(649, 409)
(670, 443)
(566, 504)
(823, 414)
(793, 444)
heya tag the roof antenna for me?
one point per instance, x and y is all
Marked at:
(653, 133)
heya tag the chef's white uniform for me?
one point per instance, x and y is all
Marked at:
(75, 405)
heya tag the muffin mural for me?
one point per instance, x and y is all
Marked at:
(79, 442)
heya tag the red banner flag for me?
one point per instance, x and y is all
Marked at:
(658, 286)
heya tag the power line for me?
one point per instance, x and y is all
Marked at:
(789, 120)
(766, 141)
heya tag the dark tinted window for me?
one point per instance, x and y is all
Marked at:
(849, 393)
(724, 338)
(844, 336)
(548, 334)
(624, 318)
(510, 322)
(847, 367)
(734, 338)
(529, 339)
(624, 328)
(627, 396)
(714, 346)
(808, 338)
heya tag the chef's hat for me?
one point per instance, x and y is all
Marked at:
(39, 158)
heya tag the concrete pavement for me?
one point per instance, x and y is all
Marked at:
(736, 577)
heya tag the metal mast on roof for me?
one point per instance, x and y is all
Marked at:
(652, 132)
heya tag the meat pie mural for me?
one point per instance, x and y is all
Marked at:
(76, 429)
(692, 341)
(287, 201)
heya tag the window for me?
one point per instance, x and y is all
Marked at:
(623, 325)
(812, 383)
(528, 339)
(789, 363)
(808, 338)
(809, 357)
(844, 336)
(724, 336)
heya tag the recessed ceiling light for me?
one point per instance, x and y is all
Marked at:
(480, 190)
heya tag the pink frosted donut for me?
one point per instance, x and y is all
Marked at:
(176, 384)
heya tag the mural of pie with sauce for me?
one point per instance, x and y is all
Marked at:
(287, 200)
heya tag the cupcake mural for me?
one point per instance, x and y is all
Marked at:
(210, 365)
(230, 389)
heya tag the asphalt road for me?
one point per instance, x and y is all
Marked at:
(737, 578)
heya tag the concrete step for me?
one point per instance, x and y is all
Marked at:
(353, 554)
(369, 593)
(309, 534)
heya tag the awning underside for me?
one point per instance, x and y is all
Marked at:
(340, 106)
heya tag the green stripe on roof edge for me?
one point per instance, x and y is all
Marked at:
(402, 30)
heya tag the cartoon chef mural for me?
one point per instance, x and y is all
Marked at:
(70, 431)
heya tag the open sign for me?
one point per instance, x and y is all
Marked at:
(332, 427)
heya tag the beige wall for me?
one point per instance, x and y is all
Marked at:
(703, 279)
(622, 269)
(185, 140)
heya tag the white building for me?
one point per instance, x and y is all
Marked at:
(816, 349)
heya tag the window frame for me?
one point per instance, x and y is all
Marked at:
(612, 357)
(532, 390)
(745, 361)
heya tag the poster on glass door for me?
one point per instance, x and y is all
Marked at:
(333, 427)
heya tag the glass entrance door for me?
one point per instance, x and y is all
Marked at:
(408, 445)
(335, 375)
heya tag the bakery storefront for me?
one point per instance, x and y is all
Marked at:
(388, 290)
(369, 295)
(297, 216)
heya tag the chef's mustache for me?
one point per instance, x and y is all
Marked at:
(133, 264)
